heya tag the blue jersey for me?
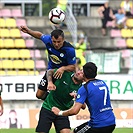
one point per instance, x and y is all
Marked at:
(97, 97)
(61, 57)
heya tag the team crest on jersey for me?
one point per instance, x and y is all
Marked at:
(55, 59)
(78, 96)
(61, 55)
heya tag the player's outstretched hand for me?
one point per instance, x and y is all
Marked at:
(58, 74)
(24, 29)
(55, 110)
(51, 86)
(73, 94)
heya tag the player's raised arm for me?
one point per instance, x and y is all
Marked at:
(70, 67)
(60, 71)
(35, 34)
(51, 85)
(72, 111)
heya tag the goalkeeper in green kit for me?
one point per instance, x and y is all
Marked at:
(61, 95)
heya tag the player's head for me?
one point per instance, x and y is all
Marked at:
(106, 4)
(90, 70)
(79, 76)
(57, 38)
(12, 114)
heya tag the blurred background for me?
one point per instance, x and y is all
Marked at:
(23, 59)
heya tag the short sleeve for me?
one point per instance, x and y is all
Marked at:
(81, 95)
(46, 39)
(71, 56)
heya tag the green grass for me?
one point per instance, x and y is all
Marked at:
(117, 130)
(123, 130)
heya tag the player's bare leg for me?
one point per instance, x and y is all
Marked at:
(65, 131)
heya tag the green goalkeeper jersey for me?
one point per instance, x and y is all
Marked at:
(61, 96)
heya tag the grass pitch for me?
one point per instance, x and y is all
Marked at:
(117, 130)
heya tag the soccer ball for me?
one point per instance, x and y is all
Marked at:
(56, 16)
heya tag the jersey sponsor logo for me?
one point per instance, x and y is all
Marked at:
(43, 82)
(61, 55)
(55, 59)
(104, 109)
(65, 83)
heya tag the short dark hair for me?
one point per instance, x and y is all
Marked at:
(56, 33)
(90, 70)
(12, 111)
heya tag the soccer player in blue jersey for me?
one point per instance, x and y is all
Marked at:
(61, 55)
(95, 94)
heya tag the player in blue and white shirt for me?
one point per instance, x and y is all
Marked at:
(61, 55)
(95, 94)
